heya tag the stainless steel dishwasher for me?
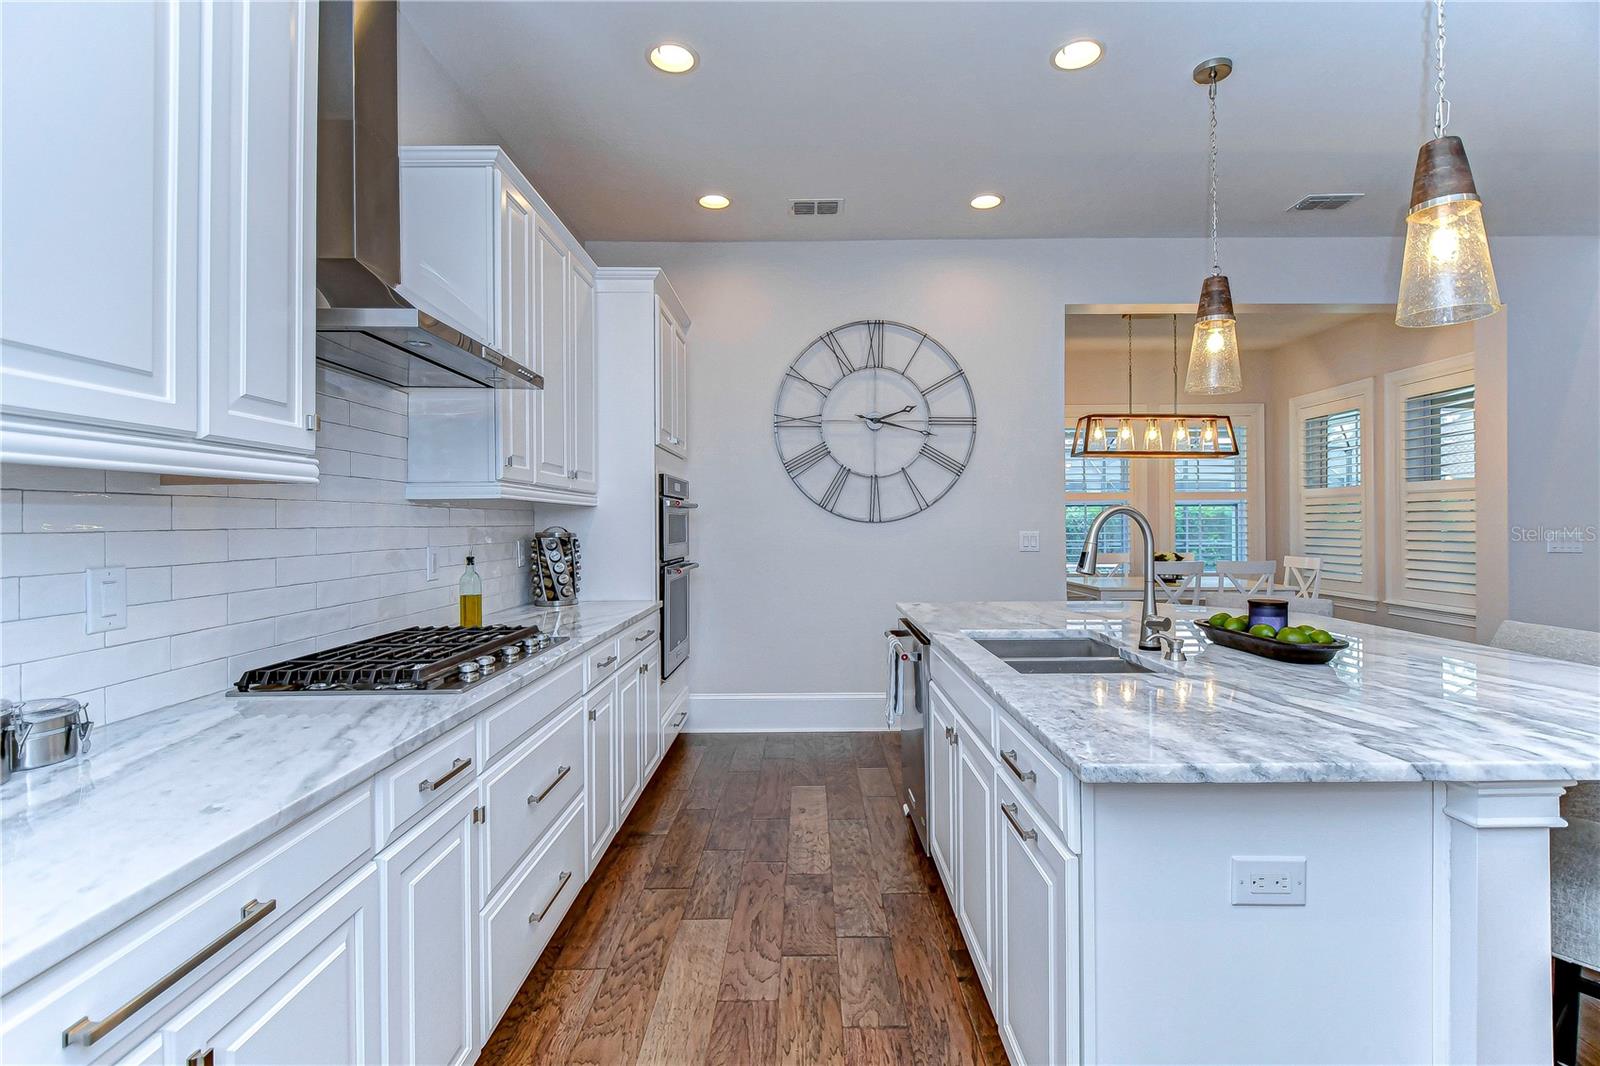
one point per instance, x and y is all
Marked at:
(908, 712)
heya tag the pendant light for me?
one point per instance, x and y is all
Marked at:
(1446, 275)
(1146, 435)
(1214, 355)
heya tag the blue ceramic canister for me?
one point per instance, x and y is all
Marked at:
(1274, 613)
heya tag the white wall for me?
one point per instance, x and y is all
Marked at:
(791, 599)
(433, 109)
(222, 578)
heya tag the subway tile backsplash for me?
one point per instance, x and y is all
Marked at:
(222, 578)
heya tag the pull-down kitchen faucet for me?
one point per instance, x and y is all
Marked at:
(1151, 627)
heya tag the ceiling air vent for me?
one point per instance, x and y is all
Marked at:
(1326, 201)
(828, 206)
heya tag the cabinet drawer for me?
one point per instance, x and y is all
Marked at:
(1030, 770)
(672, 719)
(979, 711)
(519, 713)
(603, 660)
(518, 925)
(528, 792)
(422, 779)
(282, 872)
(641, 637)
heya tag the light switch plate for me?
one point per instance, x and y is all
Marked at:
(1027, 540)
(1268, 880)
(106, 596)
(430, 564)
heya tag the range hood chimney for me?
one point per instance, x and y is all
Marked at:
(363, 323)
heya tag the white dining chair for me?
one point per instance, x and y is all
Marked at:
(1248, 578)
(1179, 582)
(1302, 575)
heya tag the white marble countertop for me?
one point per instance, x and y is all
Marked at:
(166, 797)
(1395, 706)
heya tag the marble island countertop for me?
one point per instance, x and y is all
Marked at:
(168, 796)
(1395, 706)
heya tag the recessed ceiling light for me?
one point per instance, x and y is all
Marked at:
(1075, 55)
(988, 201)
(672, 58)
(714, 201)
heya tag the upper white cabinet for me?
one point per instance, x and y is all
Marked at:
(480, 249)
(672, 381)
(170, 327)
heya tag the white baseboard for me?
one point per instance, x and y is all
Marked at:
(784, 712)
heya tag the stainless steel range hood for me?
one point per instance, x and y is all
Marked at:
(363, 323)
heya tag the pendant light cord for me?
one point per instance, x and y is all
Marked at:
(1211, 92)
(1174, 364)
(1441, 109)
(1130, 362)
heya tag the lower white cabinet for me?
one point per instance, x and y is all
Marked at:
(430, 921)
(974, 842)
(1037, 933)
(309, 995)
(941, 786)
(600, 791)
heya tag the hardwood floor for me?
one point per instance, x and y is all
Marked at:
(764, 903)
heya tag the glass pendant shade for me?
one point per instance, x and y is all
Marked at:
(1446, 275)
(1214, 355)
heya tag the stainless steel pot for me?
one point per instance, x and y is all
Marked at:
(6, 709)
(46, 732)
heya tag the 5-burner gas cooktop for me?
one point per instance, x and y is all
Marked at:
(419, 659)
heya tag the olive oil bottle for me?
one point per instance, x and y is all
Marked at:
(471, 591)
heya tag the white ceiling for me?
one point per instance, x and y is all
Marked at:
(908, 109)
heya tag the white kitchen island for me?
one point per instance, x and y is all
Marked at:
(1095, 833)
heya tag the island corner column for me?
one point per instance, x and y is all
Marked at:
(1494, 1003)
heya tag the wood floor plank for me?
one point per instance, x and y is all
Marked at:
(657, 808)
(894, 848)
(614, 1027)
(844, 791)
(678, 859)
(940, 1031)
(875, 781)
(769, 840)
(753, 964)
(589, 933)
(710, 778)
(869, 749)
(678, 765)
(808, 830)
(715, 884)
(990, 1047)
(857, 900)
(547, 1032)
(810, 1032)
(808, 927)
(869, 985)
(743, 1033)
(772, 789)
(747, 753)
(877, 1047)
(679, 1029)
(730, 830)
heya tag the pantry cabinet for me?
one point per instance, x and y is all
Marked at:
(175, 333)
(672, 382)
(482, 250)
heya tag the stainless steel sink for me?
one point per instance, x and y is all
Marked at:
(1059, 655)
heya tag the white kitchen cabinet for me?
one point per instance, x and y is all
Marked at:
(198, 354)
(1036, 994)
(309, 995)
(600, 792)
(484, 252)
(941, 787)
(672, 382)
(974, 828)
(638, 722)
(430, 923)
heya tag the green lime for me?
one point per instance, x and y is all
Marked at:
(1236, 625)
(1219, 619)
(1293, 636)
(1321, 636)
(1262, 630)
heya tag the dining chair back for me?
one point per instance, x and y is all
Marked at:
(1248, 578)
(1302, 575)
(1179, 582)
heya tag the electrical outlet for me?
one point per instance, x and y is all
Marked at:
(106, 594)
(1268, 880)
(1027, 540)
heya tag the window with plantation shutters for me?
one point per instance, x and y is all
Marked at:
(1092, 485)
(1211, 505)
(1332, 511)
(1431, 420)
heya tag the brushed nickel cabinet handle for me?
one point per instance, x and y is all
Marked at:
(560, 776)
(561, 884)
(1010, 759)
(681, 716)
(1010, 811)
(455, 768)
(85, 1031)
(607, 661)
(642, 637)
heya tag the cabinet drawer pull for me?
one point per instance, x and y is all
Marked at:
(455, 768)
(561, 884)
(642, 637)
(1010, 811)
(607, 661)
(85, 1031)
(1010, 759)
(680, 719)
(560, 776)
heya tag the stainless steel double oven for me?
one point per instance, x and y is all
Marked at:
(677, 516)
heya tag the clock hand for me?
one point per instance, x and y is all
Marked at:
(910, 429)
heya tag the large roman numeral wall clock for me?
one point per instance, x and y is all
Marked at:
(875, 421)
